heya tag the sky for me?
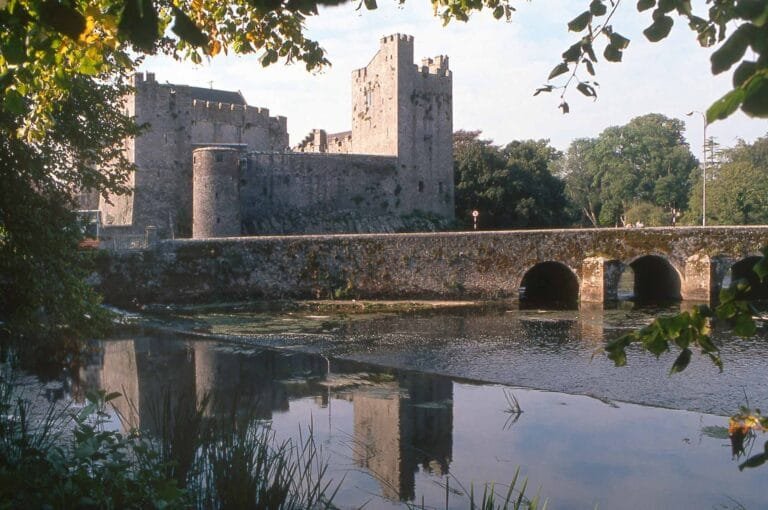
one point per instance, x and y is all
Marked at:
(496, 66)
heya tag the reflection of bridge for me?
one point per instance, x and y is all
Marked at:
(552, 265)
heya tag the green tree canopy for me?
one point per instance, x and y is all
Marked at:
(737, 187)
(646, 160)
(510, 186)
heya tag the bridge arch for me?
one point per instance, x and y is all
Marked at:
(655, 279)
(743, 269)
(549, 285)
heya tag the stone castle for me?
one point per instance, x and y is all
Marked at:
(210, 165)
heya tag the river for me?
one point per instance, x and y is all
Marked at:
(418, 407)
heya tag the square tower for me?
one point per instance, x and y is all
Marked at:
(404, 110)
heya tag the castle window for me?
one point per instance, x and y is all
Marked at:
(440, 186)
(218, 220)
(218, 157)
(421, 186)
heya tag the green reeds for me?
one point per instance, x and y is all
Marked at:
(66, 458)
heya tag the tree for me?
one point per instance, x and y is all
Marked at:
(646, 160)
(737, 186)
(510, 186)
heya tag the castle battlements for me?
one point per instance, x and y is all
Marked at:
(437, 65)
(396, 159)
(396, 38)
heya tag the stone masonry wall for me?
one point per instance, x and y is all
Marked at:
(395, 266)
(315, 193)
(177, 122)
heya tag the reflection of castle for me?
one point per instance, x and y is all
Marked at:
(156, 376)
(398, 426)
(401, 426)
(397, 159)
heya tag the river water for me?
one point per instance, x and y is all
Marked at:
(417, 408)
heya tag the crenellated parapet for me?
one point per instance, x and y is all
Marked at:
(401, 112)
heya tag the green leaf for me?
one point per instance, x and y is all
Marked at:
(656, 343)
(755, 101)
(370, 5)
(644, 5)
(112, 396)
(752, 10)
(139, 24)
(706, 344)
(665, 6)
(545, 88)
(564, 106)
(612, 53)
(716, 360)
(13, 102)
(732, 50)
(659, 29)
(186, 29)
(573, 53)
(62, 18)
(743, 72)
(580, 22)
(586, 89)
(726, 105)
(15, 51)
(590, 67)
(761, 267)
(597, 7)
(744, 325)
(559, 69)
(618, 40)
(682, 361)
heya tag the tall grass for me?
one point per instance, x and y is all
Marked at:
(66, 458)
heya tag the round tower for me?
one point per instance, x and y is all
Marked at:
(215, 192)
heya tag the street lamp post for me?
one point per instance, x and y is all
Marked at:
(703, 169)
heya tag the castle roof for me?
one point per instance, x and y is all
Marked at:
(217, 96)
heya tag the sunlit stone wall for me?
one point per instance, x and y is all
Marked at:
(400, 266)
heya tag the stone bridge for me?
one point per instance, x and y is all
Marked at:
(552, 266)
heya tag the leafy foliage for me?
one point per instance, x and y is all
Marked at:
(737, 188)
(742, 427)
(736, 26)
(67, 458)
(646, 160)
(690, 329)
(41, 466)
(510, 186)
(45, 305)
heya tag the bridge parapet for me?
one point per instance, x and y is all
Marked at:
(427, 265)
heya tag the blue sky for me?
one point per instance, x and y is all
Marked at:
(496, 67)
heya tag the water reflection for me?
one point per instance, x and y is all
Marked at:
(397, 436)
(402, 422)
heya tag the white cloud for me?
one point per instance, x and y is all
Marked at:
(496, 66)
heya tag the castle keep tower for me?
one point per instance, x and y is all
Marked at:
(404, 110)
